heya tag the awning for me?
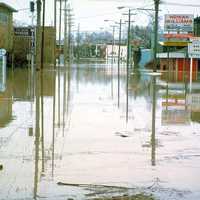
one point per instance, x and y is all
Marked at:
(174, 43)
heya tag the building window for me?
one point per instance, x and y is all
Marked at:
(3, 18)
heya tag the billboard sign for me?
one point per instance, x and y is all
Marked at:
(178, 23)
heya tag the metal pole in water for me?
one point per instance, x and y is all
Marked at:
(127, 62)
(153, 137)
(191, 70)
(119, 59)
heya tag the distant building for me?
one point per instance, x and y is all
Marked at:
(22, 44)
(6, 26)
(113, 51)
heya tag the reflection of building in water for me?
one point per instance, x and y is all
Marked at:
(48, 83)
(21, 87)
(5, 106)
(175, 117)
(193, 102)
(174, 108)
(5, 111)
(5, 100)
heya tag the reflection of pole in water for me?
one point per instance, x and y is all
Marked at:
(119, 60)
(77, 78)
(168, 73)
(64, 100)
(58, 96)
(127, 63)
(153, 139)
(37, 133)
(42, 117)
(54, 108)
(68, 88)
(112, 62)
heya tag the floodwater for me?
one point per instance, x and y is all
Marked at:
(72, 132)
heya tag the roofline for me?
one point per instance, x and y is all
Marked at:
(8, 7)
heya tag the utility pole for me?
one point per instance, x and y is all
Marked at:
(119, 59)
(78, 43)
(69, 34)
(38, 36)
(127, 62)
(156, 4)
(113, 43)
(65, 32)
(60, 18)
(55, 27)
(43, 27)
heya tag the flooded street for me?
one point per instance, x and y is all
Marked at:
(72, 132)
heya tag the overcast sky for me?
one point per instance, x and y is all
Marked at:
(91, 13)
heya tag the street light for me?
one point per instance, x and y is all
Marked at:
(113, 40)
(119, 58)
(156, 9)
(156, 4)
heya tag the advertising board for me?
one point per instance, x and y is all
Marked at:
(179, 23)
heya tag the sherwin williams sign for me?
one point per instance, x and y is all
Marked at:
(176, 23)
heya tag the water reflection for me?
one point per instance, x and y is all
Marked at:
(153, 135)
(79, 99)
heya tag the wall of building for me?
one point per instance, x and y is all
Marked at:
(22, 47)
(115, 51)
(49, 44)
(6, 29)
